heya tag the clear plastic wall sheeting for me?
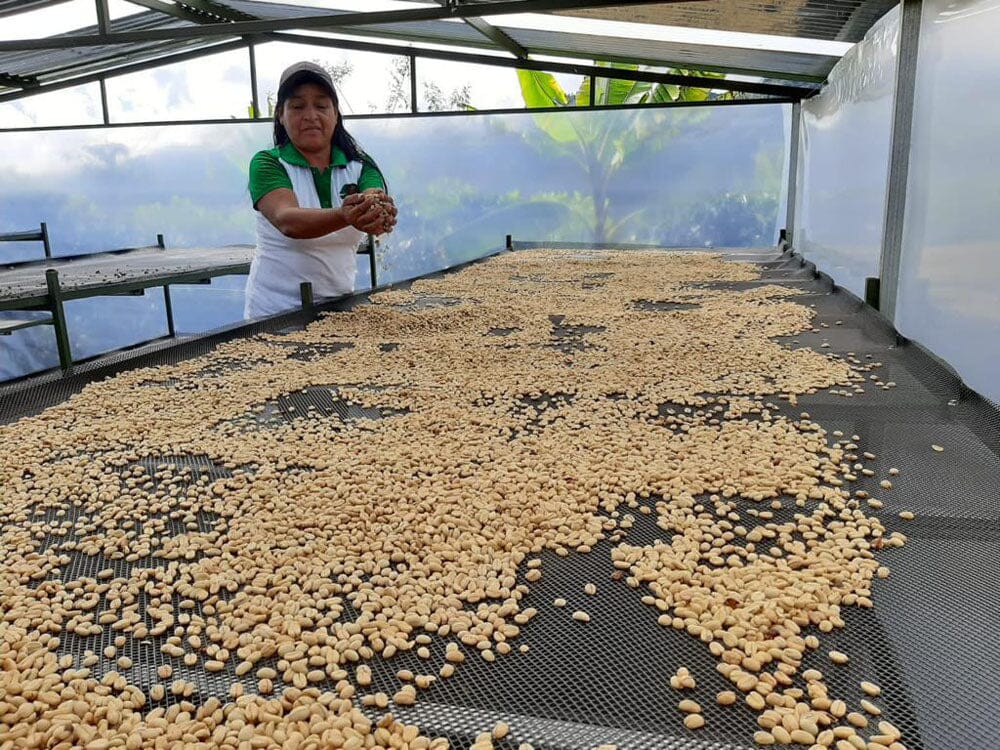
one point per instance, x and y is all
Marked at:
(844, 160)
(80, 105)
(950, 264)
(106, 188)
(692, 176)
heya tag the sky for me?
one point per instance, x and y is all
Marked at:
(219, 86)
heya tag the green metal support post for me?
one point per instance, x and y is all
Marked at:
(793, 169)
(872, 291)
(45, 240)
(306, 294)
(59, 319)
(168, 305)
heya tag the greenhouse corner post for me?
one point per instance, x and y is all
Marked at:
(254, 101)
(105, 112)
(103, 17)
(413, 84)
(55, 300)
(103, 27)
(793, 173)
(168, 305)
(899, 157)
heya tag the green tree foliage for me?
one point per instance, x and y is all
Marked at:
(601, 146)
(339, 71)
(436, 99)
(398, 96)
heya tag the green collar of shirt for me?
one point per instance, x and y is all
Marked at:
(289, 153)
(267, 173)
(321, 177)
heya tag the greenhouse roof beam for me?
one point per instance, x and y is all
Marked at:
(724, 84)
(325, 21)
(495, 35)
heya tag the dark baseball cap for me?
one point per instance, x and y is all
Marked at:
(303, 72)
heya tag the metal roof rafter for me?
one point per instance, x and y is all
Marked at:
(492, 33)
(496, 36)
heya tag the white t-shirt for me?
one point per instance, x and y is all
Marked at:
(280, 264)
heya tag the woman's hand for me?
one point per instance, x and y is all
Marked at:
(360, 211)
(372, 212)
(385, 218)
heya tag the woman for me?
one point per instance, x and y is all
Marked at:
(316, 193)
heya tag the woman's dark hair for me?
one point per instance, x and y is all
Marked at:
(341, 138)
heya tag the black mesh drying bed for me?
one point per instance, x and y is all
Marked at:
(930, 642)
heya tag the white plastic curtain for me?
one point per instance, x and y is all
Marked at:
(843, 160)
(948, 296)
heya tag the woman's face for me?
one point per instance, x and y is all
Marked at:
(309, 116)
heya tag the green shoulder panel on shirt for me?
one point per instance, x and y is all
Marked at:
(267, 173)
(370, 177)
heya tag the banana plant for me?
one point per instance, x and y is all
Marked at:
(601, 145)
